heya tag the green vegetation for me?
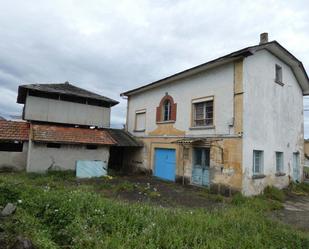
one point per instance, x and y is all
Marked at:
(274, 194)
(55, 211)
(299, 189)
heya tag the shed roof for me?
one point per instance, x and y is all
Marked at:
(123, 138)
(274, 47)
(62, 89)
(14, 131)
(70, 135)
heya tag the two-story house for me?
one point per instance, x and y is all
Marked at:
(234, 123)
(64, 126)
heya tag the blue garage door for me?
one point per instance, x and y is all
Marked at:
(165, 164)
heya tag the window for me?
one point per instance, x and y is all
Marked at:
(91, 147)
(279, 162)
(11, 147)
(278, 74)
(140, 120)
(203, 113)
(201, 157)
(167, 110)
(53, 145)
(258, 162)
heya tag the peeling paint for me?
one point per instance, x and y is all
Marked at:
(166, 129)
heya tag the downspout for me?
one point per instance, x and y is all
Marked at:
(183, 166)
(29, 147)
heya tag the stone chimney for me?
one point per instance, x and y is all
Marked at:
(263, 38)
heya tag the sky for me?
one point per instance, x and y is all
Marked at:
(113, 46)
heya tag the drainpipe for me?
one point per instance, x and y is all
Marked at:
(183, 166)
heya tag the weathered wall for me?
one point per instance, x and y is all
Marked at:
(14, 160)
(306, 147)
(216, 82)
(226, 168)
(143, 158)
(41, 158)
(225, 83)
(273, 120)
(51, 110)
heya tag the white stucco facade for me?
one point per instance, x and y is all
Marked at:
(41, 158)
(269, 118)
(273, 120)
(217, 82)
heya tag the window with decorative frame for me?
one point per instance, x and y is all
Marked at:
(166, 111)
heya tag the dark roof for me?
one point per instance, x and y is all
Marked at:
(228, 58)
(123, 138)
(14, 131)
(61, 89)
(70, 135)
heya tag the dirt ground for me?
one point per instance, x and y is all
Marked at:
(295, 212)
(146, 189)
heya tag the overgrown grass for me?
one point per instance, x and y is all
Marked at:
(299, 188)
(54, 215)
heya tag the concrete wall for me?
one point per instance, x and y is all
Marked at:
(41, 158)
(216, 82)
(51, 110)
(14, 160)
(273, 120)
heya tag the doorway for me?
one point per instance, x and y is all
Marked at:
(200, 169)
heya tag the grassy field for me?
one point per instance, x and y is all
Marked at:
(56, 212)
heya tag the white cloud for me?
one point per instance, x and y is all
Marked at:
(113, 46)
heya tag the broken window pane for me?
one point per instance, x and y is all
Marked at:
(203, 115)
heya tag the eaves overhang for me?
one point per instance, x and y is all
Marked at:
(296, 65)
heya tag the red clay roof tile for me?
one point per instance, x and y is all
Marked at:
(14, 131)
(70, 135)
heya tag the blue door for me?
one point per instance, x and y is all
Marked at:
(165, 164)
(200, 169)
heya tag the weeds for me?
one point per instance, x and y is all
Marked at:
(78, 218)
(274, 193)
(299, 188)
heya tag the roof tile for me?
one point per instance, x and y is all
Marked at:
(14, 131)
(70, 135)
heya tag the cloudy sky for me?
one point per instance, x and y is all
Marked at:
(113, 46)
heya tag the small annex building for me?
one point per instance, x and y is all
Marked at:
(63, 125)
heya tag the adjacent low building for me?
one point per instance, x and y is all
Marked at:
(64, 125)
(14, 137)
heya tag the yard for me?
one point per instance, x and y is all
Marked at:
(58, 211)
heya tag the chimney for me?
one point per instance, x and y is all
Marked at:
(263, 38)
